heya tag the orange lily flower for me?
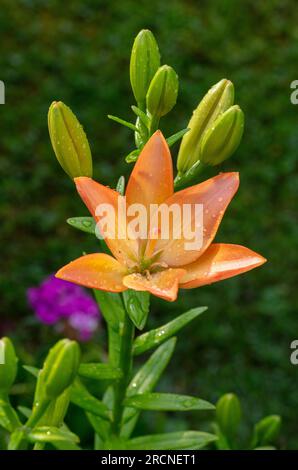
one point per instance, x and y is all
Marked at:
(160, 266)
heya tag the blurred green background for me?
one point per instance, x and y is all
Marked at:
(79, 53)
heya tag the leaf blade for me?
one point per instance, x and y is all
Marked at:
(157, 336)
(167, 402)
(172, 441)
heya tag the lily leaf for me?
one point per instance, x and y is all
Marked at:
(175, 137)
(85, 224)
(137, 306)
(143, 116)
(32, 370)
(123, 123)
(81, 397)
(167, 402)
(99, 371)
(132, 156)
(8, 418)
(157, 336)
(144, 382)
(191, 440)
(51, 434)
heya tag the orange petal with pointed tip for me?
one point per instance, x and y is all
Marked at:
(214, 195)
(220, 261)
(97, 196)
(151, 181)
(97, 271)
(163, 284)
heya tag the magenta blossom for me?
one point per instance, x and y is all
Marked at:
(67, 306)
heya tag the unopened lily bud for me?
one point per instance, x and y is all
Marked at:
(228, 414)
(267, 430)
(218, 99)
(223, 138)
(163, 91)
(8, 365)
(60, 368)
(144, 62)
(69, 141)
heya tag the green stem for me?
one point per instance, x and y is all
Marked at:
(126, 333)
(154, 124)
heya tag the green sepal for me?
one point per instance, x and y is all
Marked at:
(153, 338)
(167, 402)
(181, 440)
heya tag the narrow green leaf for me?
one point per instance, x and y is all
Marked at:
(85, 224)
(111, 307)
(143, 116)
(121, 185)
(32, 370)
(144, 382)
(100, 426)
(167, 402)
(137, 306)
(172, 441)
(132, 156)
(157, 336)
(82, 398)
(25, 411)
(51, 434)
(66, 445)
(175, 137)
(8, 418)
(99, 371)
(123, 122)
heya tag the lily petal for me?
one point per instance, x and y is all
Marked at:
(98, 271)
(214, 195)
(163, 284)
(98, 197)
(151, 181)
(220, 261)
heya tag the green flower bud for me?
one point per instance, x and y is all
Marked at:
(144, 62)
(69, 141)
(60, 368)
(228, 414)
(8, 365)
(218, 99)
(267, 430)
(223, 138)
(163, 91)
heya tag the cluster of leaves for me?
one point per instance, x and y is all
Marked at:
(61, 381)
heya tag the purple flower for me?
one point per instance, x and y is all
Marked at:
(66, 305)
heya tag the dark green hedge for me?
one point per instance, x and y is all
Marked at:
(78, 52)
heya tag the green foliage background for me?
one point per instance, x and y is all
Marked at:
(78, 52)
